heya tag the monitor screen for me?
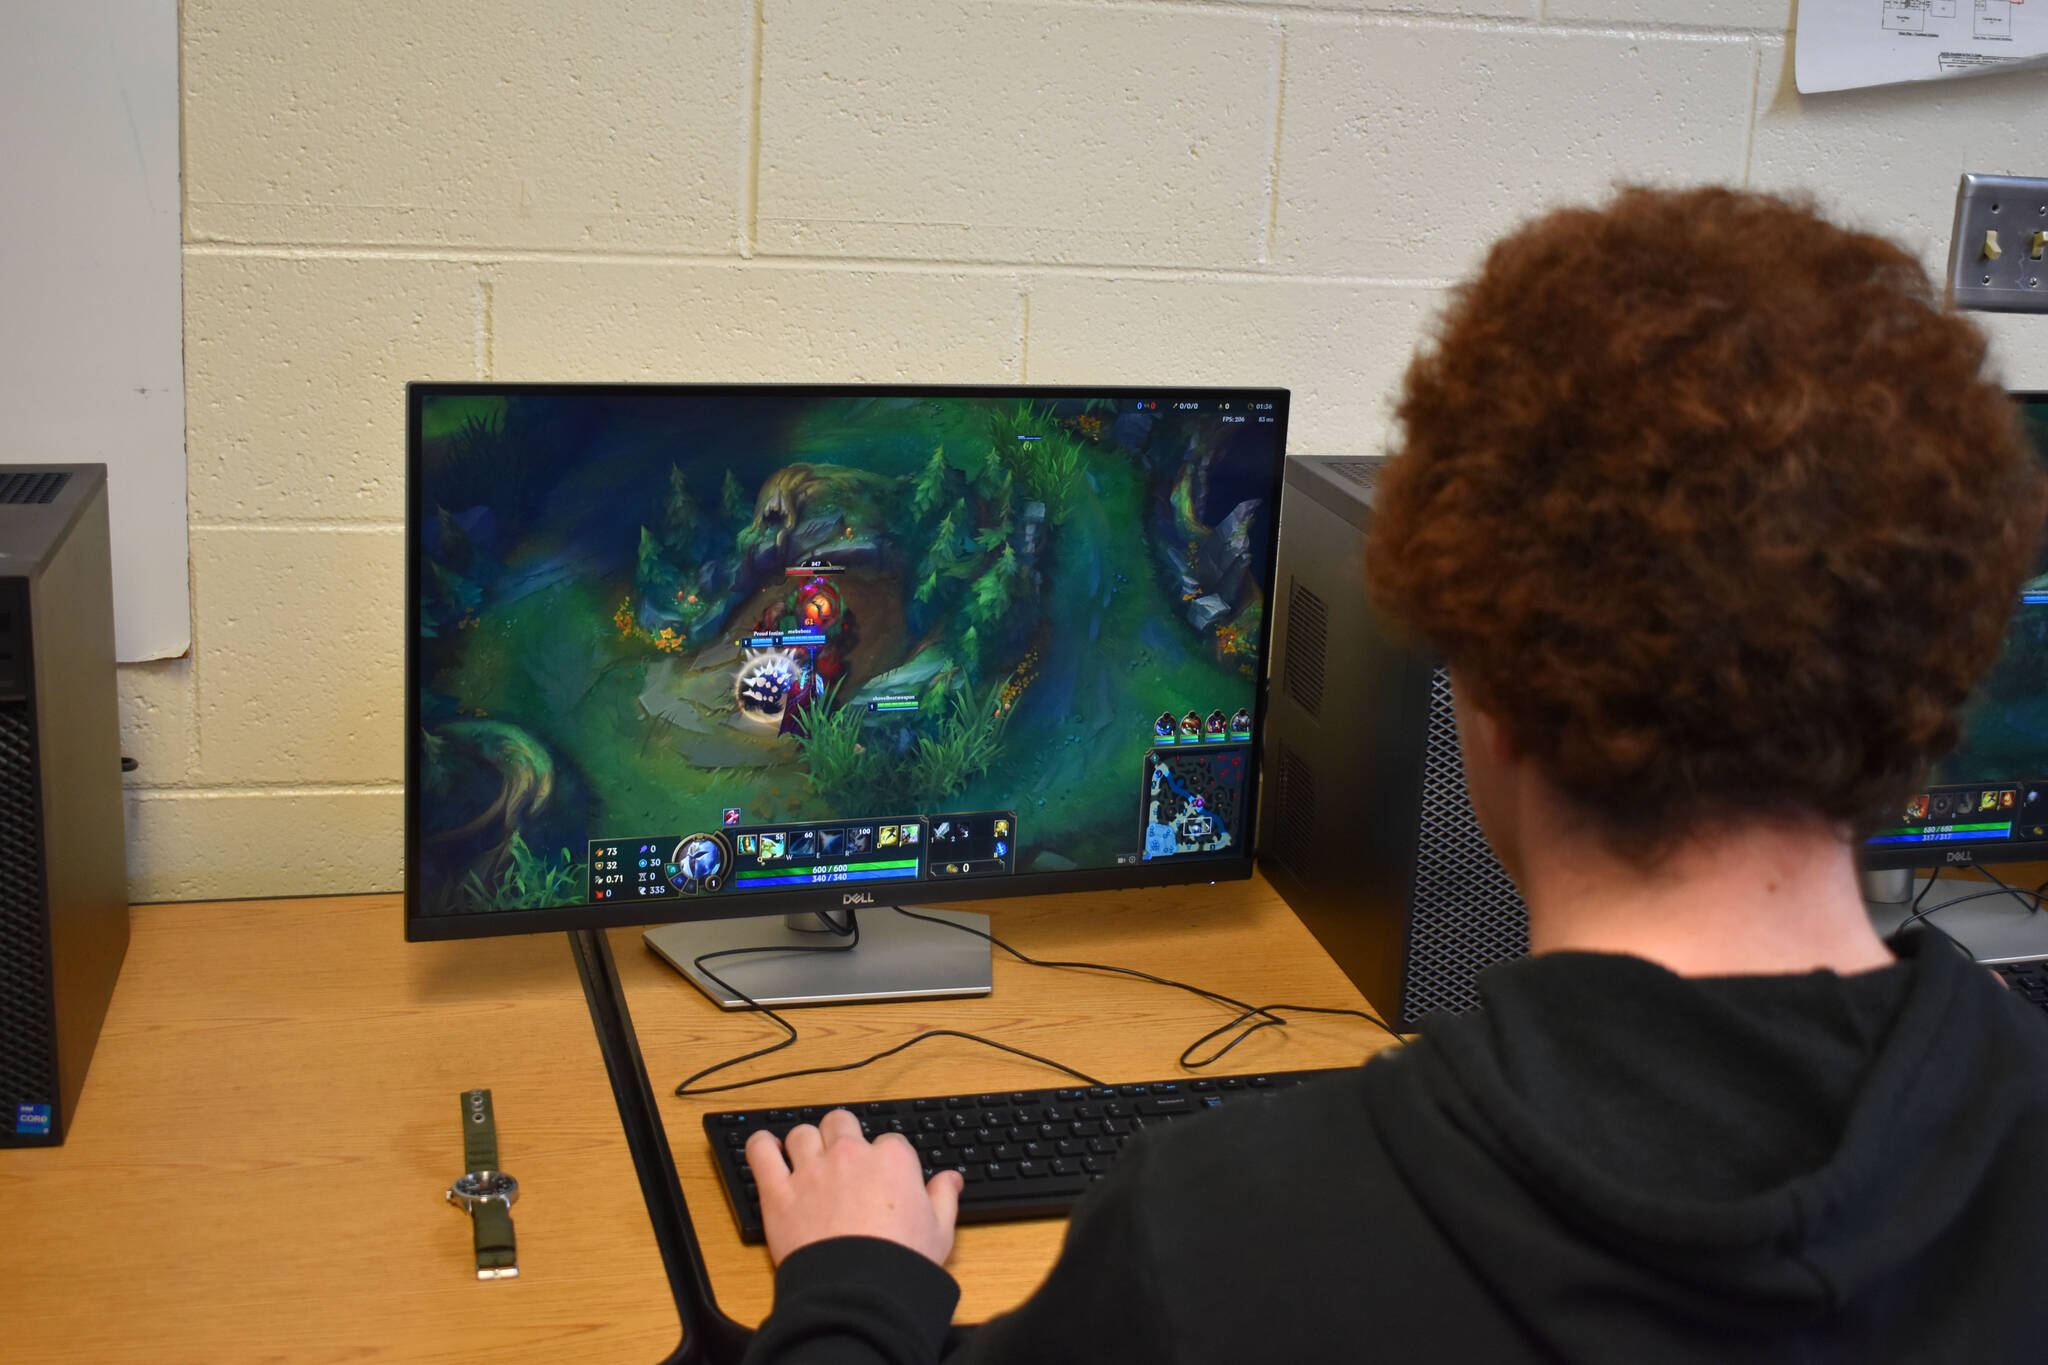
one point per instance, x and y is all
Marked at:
(682, 652)
(1988, 801)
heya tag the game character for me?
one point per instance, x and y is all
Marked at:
(1191, 726)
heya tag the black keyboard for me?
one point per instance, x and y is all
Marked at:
(2028, 980)
(1024, 1153)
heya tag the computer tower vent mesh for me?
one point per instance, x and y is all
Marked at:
(1467, 914)
(31, 487)
(28, 1048)
(1364, 473)
(1308, 629)
(1294, 817)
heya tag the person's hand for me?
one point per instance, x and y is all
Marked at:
(829, 1181)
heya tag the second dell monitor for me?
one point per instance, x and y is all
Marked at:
(709, 651)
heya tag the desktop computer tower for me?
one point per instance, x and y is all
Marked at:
(63, 857)
(1365, 827)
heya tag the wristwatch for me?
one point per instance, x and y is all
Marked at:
(485, 1192)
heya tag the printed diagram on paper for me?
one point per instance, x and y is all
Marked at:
(1845, 44)
(1990, 18)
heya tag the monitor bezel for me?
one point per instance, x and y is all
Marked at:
(497, 923)
(1891, 857)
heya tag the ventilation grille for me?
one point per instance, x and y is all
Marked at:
(28, 1050)
(1364, 473)
(21, 487)
(1467, 913)
(1294, 819)
(1308, 629)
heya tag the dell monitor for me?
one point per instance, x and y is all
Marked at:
(707, 654)
(1988, 801)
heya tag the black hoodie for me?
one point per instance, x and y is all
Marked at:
(1607, 1162)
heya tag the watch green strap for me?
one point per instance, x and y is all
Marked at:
(479, 1133)
(495, 1258)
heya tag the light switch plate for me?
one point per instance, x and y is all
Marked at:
(2015, 281)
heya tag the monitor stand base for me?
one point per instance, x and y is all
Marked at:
(1994, 925)
(898, 958)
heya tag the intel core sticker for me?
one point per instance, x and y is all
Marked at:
(31, 1119)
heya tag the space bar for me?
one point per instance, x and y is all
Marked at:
(1010, 1191)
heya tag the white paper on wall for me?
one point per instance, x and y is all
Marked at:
(91, 360)
(1847, 44)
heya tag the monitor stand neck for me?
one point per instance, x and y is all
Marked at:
(897, 957)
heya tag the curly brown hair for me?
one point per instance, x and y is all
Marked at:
(1708, 502)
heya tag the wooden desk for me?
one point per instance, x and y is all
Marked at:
(257, 1168)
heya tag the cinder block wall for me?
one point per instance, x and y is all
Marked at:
(995, 191)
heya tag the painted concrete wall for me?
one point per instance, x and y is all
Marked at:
(988, 191)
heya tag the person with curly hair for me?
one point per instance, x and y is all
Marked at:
(1712, 513)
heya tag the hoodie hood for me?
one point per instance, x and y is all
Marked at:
(1614, 1149)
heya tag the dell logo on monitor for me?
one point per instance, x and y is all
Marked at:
(1962, 855)
(857, 898)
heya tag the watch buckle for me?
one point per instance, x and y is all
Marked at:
(507, 1272)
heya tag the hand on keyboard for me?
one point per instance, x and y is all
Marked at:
(830, 1181)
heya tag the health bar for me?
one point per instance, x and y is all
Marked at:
(1945, 834)
(813, 877)
(780, 638)
(892, 705)
(899, 865)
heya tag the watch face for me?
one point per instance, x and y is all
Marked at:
(481, 1184)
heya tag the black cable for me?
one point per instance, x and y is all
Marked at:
(689, 1085)
(1913, 910)
(851, 934)
(1919, 915)
(1269, 1020)
(1266, 1014)
(2011, 888)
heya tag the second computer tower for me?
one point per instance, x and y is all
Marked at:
(1366, 828)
